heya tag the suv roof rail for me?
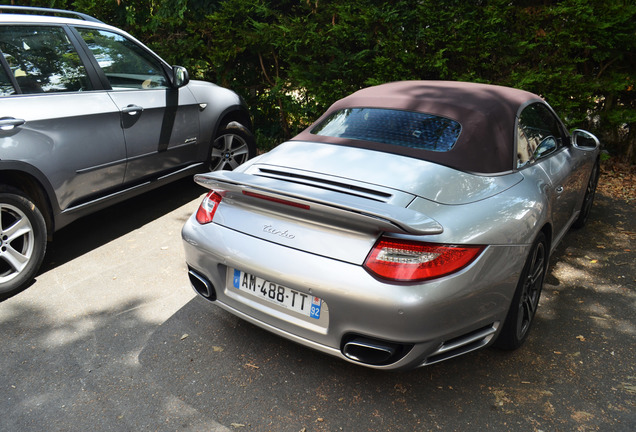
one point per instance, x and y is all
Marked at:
(48, 11)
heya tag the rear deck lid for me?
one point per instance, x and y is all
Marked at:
(383, 171)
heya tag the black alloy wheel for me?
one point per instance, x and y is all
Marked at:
(526, 299)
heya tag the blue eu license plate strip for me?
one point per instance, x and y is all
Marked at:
(278, 294)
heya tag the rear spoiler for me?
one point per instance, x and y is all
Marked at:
(387, 217)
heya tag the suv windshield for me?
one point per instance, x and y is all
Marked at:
(403, 128)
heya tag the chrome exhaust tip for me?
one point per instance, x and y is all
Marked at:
(201, 285)
(371, 351)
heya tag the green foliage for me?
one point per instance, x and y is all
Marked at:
(292, 58)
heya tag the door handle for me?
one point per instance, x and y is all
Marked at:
(132, 110)
(9, 123)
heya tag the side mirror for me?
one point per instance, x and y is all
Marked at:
(547, 146)
(584, 140)
(180, 76)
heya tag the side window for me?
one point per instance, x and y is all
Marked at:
(126, 65)
(6, 87)
(538, 134)
(42, 59)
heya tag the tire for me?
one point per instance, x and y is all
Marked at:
(232, 146)
(22, 241)
(588, 200)
(526, 299)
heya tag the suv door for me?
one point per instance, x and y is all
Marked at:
(161, 123)
(58, 125)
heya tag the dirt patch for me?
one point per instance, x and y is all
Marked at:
(618, 180)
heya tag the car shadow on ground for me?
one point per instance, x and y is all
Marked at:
(104, 226)
(97, 229)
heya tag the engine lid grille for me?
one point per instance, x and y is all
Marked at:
(335, 184)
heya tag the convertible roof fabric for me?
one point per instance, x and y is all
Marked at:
(485, 112)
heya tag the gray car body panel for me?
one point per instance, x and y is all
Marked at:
(58, 130)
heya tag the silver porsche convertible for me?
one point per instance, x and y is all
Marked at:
(411, 223)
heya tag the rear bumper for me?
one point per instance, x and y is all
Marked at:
(434, 320)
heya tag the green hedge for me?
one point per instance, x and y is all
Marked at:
(292, 58)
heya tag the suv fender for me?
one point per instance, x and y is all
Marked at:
(35, 185)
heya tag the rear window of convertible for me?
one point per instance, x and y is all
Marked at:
(402, 128)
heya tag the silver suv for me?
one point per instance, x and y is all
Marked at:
(89, 116)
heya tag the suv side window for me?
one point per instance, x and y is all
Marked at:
(42, 59)
(6, 86)
(126, 65)
(538, 134)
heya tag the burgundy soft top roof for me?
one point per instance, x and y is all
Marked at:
(485, 112)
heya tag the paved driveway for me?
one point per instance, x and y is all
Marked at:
(111, 338)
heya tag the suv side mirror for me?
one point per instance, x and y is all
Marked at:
(180, 76)
(584, 140)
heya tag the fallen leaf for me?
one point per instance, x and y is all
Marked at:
(400, 388)
(237, 425)
(184, 336)
(581, 338)
(217, 349)
(582, 416)
(629, 388)
(594, 261)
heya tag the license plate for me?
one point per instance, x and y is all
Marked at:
(286, 297)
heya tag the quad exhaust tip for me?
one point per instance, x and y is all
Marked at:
(201, 285)
(373, 352)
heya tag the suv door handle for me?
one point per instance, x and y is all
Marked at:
(8, 123)
(132, 109)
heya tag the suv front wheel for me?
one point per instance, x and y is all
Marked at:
(22, 241)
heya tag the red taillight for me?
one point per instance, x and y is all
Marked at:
(411, 261)
(208, 207)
